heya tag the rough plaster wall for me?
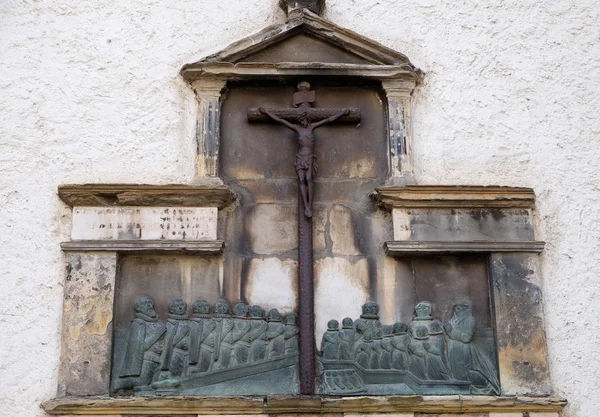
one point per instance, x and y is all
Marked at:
(89, 92)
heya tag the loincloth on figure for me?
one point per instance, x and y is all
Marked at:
(306, 163)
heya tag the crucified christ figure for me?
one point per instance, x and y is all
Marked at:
(306, 166)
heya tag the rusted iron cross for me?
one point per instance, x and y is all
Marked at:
(303, 119)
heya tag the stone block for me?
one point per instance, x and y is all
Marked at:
(165, 278)
(379, 415)
(144, 223)
(465, 224)
(87, 329)
(520, 333)
(401, 220)
(341, 231)
(395, 289)
(271, 283)
(335, 277)
(272, 228)
(521, 414)
(454, 415)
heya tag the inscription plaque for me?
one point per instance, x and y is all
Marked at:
(144, 223)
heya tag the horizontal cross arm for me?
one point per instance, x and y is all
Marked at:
(314, 114)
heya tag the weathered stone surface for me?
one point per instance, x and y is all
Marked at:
(305, 405)
(521, 337)
(401, 248)
(302, 48)
(272, 228)
(395, 289)
(146, 195)
(341, 151)
(455, 415)
(207, 247)
(379, 415)
(480, 224)
(341, 231)
(335, 276)
(144, 223)
(506, 414)
(401, 219)
(272, 283)
(165, 278)
(532, 414)
(454, 196)
(87, 324)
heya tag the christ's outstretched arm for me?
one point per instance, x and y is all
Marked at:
(331, 119)
(277, 119)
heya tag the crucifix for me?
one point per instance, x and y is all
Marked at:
(304, 119)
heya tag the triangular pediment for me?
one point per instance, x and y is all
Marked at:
(305, 48)
(309, 38)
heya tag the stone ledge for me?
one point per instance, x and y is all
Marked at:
(264, 71)
(146, 195)
(172, 406)
(416, 248)
(449, 196)
(209, 247)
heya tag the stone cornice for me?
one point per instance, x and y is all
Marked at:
(210, 247)
(172, 406)
(449, 196)
(146, 195)
(416, 248)
(262, 70)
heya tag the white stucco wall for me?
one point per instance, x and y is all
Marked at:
(90, 92)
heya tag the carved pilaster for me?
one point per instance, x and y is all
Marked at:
(398, 95)
(208, 93)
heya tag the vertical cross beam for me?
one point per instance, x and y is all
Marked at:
(303, 119)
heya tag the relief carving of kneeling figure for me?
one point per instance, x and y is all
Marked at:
(144, 347)
(202, 338)
(174, 359)
(413, 355)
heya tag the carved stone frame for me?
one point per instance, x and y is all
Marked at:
(397, 75)
(497, 221)
(91, 267)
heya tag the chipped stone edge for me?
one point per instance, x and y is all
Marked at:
(412, 248)
(449, 196)
(164, 406)
(207, 247)
(146, 195)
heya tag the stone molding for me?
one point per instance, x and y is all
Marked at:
(207, 247)
(451, 196)
(146, 195)
(415, 248)
(157, 406)
(269, 71)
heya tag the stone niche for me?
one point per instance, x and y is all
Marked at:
(425, 296)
